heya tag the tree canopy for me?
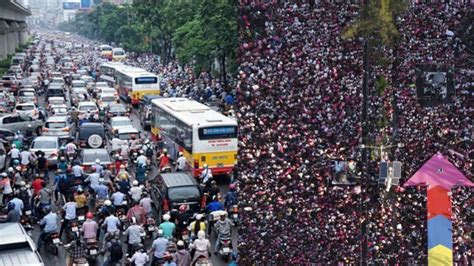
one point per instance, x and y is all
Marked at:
(197, 33)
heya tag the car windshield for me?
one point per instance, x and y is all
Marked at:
(87, 108)
(117, 108)
(25, 107)
(108, 98)
(121, 123)
(44, 145)
(55, 125)
(125, 136)
(90, 157)
(27, 93)
(179, 193)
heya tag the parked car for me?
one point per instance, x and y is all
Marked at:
(91, 135)
(58, 126)
(49, 145)
(27, 109)
(20, 123)
(88, 156)
(170, 190)
(17, 247)
(117, 122)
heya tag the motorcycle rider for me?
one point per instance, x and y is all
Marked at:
(102, 191)
(142, 159)
(133, 233)
(12, 214)
(158, 248)
(49, 225)
(136, 191)
(45, 196)
(111, 225)
(183, 257)
(77, 171)
(123, 173)
(63, 164)
(145, 202)
(24, 194)
(98, 167)
(69, 214)
(117, 198)
(123, 184)
(181, 163)
(167, 227)
(206, 174)
(138, 212)
(139, 258)
(197, 225)
(5, 183)
(230, 197)
(164, 160)
(71, 149)
(14, 154)
(223, 228)
(201, 246)
(182, 219)
(89, 227)
(148, 149)
(76, 250)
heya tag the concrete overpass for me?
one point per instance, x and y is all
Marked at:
(13, 28)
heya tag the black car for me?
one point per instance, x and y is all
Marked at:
(117, 109)
(91, 135)
(170, 190)
(145, 110)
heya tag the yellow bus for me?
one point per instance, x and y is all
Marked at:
(202, 134)
(132, 83)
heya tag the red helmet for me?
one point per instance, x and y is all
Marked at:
(183, 208)
(89, 215)
(232, 186)
(93, 168)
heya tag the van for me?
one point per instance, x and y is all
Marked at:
(106, 51)
(17, 247)
(170, 190)
(118, 54)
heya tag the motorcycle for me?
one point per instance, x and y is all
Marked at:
(72, 231)
(234, 213)
(150, 227)
(121, 213)
(225, 250)
(52, 243)
(92, 250)
(99, 203)
(165, 169)
(26, 222)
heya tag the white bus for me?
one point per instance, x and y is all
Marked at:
(132, 83)
(107, 72)
(202, 134)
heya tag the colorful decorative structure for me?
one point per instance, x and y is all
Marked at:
(440, 175)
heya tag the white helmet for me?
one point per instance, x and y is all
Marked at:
(97, 161)
(107, 203)
(166, 217)
(135, 183)
(10, 169)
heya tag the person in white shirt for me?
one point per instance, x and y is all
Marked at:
(141, 160)
(14, 153)
(25, 157)
(118, 198)
(181, 163)
(206, 174)
(140, 258)
(70, 214)
(136, 191)
(111, 224)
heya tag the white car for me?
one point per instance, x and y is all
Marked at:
(121, 137)
(105, 99)
(56, 101)
(87, 107)
(49, 145)
(27, 109)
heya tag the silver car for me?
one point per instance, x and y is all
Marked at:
(48, 145)
(58, 126)
(17, 247)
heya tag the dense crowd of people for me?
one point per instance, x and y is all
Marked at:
(299, 107)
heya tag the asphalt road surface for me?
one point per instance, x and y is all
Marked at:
(51, 260)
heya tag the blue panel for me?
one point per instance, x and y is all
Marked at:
(439, 232)
(85, 4)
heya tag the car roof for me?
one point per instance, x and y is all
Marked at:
(94, 151)
(91, 124)
(57, 119)
(12, 233)
(127, 129)
(178, 179)
(46, 138)
(87, 103)
(120, 118)
(20, 104)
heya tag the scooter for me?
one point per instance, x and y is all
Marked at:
(225, 250)
(234, 213)
(150, 227)
(52, 243)
(92, 250)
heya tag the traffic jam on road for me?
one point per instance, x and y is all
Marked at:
(102, 165)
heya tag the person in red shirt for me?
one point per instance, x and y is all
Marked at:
(37, 185)
(138, 212)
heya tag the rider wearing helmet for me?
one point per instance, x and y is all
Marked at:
(230, 197)
(102, 191)
(89, 227)
(49, 225)
(181, 163)
(167, 227)
(136, 191)
(98, 167)
(206, 174)
(142, 159)
(13, 216)
(164, 160)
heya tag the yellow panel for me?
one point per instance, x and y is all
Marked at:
(225, 158)
(440, 256)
